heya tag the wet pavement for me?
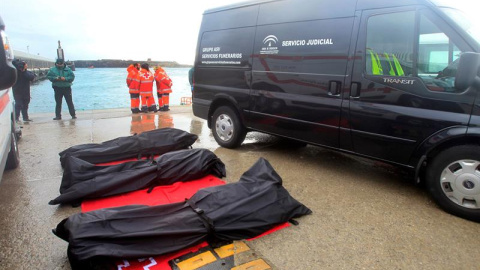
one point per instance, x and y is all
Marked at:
(366, 214)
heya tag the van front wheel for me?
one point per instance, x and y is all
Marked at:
(453, 180)
(227, 129)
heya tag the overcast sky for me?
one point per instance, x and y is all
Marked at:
(104, 29)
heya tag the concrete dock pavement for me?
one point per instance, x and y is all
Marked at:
(366, 214)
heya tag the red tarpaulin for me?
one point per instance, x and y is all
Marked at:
(160, 195)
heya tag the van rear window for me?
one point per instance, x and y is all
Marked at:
(226, 48)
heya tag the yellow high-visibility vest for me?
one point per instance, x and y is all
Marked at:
(398, 66)
(391, 71)
(376, 65)
(398, 70)
(395, 69)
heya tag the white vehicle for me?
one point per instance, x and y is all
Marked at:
(9, 132)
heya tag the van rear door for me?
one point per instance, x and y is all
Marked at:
(223, 62)
(402, 87)
(299, 67)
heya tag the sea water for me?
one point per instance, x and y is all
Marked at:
(103, 88)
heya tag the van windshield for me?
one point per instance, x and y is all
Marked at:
(462, 13)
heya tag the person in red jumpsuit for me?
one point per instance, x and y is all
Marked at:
(145, 88)
(164, 88)
(133, 85)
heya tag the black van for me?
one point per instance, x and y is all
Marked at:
(390, 80)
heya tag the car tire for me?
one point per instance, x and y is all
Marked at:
(13, 158)
(227, 129)
(453, 180)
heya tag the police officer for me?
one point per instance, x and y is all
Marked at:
(62, 77)
(21, 90)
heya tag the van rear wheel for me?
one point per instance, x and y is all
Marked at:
(13, 158)
(227, 129)
(453, 180)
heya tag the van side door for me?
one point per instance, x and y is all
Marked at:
(402, 87)
(299, 67)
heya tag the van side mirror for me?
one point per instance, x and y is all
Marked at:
(467, 71)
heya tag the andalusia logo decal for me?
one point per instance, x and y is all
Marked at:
(271, 45)
(269, 40)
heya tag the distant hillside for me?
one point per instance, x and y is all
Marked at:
(111, 63)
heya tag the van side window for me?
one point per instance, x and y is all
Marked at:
(437, 57)
(390, 40)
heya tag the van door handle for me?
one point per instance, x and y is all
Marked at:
(334, 88)
(355, 89)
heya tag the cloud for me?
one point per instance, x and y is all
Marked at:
(91, 30)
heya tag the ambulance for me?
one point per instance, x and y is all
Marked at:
(9, 131)
(395, 81)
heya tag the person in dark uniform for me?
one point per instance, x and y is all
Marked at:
(21, 90)
(190, 77)
(62, 77)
